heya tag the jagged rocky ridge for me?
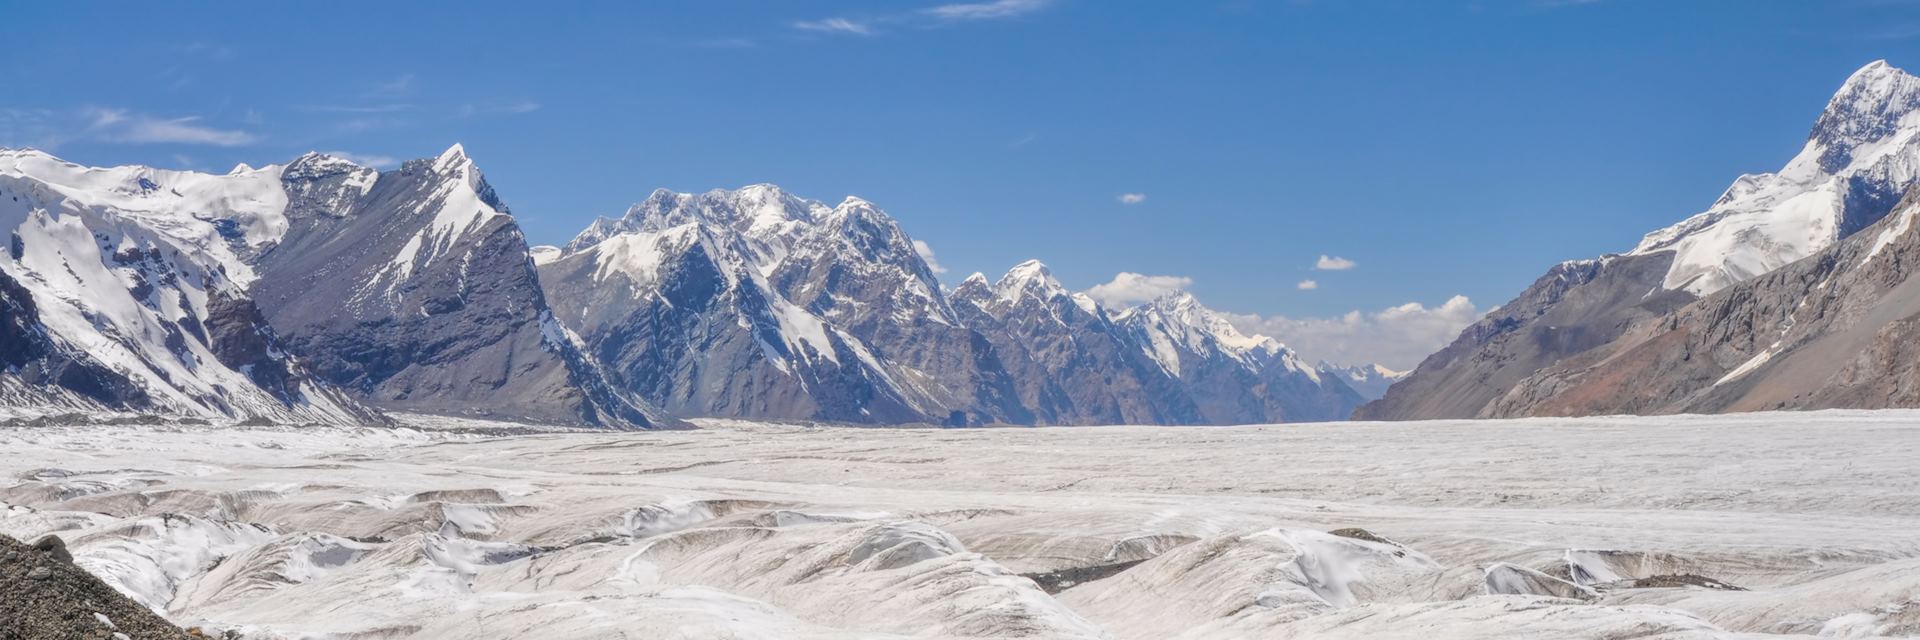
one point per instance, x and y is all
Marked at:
(298, 292)
(1582, 339)
(757, 303)
(413, 289)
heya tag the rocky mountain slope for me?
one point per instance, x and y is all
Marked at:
(128, 289)
(1836, 330)
(413, 289)
(1862, 154)
(757, 303)
(296, 292)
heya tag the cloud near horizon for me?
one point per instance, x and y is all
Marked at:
(121, 125)
(1396, 337)
(926, 253)
(1128, 288)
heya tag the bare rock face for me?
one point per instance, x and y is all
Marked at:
(43, 595)
(1577, 306)
(413, 289)
(1834, 330)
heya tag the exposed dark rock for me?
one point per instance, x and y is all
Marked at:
(44, 596)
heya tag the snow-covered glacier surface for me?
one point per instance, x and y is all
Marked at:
(1754, 525)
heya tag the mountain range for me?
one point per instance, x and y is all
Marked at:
(324, 291)
(321, 290)
(758, 303)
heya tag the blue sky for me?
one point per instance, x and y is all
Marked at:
(1443, 147)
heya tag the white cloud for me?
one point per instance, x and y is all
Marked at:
(926, 253)
(834, 25)
(1333, 263)
(120, 125)
(374, 160)
(1307, 285)
(1132, 198)
(1395, 337)
(987, 10)
(1128, 288)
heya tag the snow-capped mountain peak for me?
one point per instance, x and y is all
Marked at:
(1861, 149)
(1875, 103)
(135, 281)
(1177, 323)
(454, 158)
(1028, 279)
(1369, 380)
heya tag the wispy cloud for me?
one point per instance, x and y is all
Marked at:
(1307, 285)
(353, 108)
(374, 160)
(926, 253)
(1132, 198)
(1128, 288)
(32, 127)
(208, 50)
(1333, 263)
(497, 108)
(121, 125)
(835, 25)
(362, 125)
(987, 10)
(399, 85)
(928, 17)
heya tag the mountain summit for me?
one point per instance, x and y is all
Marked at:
(1546, 351)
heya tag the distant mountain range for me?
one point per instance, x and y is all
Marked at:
(757, 303)
(1793, 291)
(324, 291)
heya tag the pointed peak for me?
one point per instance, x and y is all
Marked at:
(1031, 275)
(1873, 71)
(659, 199)
(314, 164)
(1870, 107)
(976, 279)
(454, 158)
(756, 192)
(1030, 267)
